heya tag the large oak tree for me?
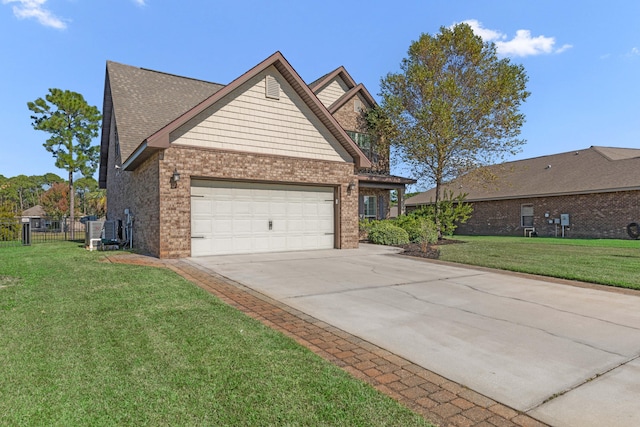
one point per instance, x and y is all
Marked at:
(454, 105)
(72, 124)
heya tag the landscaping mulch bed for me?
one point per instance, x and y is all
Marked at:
(433, 251)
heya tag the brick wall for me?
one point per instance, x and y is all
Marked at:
(603, 215)
(354, 121)
(196, 162)
(138, 192)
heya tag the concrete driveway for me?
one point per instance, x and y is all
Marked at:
(566, 355)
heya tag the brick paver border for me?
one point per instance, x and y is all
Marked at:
(438, 399)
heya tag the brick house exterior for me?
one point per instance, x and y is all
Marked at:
(598, 188)
(348, 102)
(266, 133)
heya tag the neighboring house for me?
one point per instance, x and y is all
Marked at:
(37, 217)
(591, 193)
(258, 165)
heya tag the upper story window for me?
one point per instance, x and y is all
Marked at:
(362, 139)
(364, 142)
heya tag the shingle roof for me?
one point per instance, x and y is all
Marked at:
(592, 170)
(145, 101)
(148, 104)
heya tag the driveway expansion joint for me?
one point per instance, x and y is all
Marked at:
(438, 399)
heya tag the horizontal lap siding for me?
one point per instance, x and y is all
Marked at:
(332, 92)
(249, 121)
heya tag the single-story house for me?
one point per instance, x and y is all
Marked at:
(264, 163)
(590, 193)
(37, 217)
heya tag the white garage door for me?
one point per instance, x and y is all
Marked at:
(235, 218)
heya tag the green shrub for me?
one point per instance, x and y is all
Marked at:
(420, 229)
(452, 211)
(385, 233)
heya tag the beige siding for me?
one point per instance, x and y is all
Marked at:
(331, 92)
(249, 121)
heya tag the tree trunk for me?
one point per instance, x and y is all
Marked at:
(71, 206)
(436, 209)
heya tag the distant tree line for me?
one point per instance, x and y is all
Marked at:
(22, 192)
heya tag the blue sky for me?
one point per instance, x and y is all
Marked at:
(582, 58)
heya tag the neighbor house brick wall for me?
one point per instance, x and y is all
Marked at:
(602, 215)
(197, 162)
(138, 192)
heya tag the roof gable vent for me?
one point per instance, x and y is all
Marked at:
(272, 88)
(357, 106)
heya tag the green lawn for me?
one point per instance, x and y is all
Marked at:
(604, 261)
(90, 343)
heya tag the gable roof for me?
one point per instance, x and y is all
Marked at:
(36, 211)
(316, 85)
(592, 170)
(175, 100)
(359, 89)
(142, 102)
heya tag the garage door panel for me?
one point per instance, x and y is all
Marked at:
(234, 217)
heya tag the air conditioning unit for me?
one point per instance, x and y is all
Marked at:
(93, 234)
(110, 231)
(93, 230)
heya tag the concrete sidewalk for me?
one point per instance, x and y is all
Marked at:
(565, 355)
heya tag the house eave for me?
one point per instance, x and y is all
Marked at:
(537, 196)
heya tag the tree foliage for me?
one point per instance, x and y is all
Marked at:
(55, 201)
(72, 124)
(454, 105)
(451, 211)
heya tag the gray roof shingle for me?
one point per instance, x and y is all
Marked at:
(144, 101)
(592, 170)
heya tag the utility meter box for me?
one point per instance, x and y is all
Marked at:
(564, 220)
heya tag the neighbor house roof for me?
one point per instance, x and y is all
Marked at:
(149, 105)
(592, 170)
(36, 211)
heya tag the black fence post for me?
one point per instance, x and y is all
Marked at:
(26, 234)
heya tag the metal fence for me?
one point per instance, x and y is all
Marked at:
(40, 230)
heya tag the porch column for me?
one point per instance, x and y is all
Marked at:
(401, 201)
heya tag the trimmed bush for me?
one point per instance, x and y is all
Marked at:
(385, 233)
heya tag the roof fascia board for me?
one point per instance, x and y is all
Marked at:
(161, 139)
(340, 71)
(131, 161)
(107, 109)
(349, 95)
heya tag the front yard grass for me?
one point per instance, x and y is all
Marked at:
(90, 343)
(604, 261)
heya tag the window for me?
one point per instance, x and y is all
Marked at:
(526, 215)
(362, 139)
(370, 207)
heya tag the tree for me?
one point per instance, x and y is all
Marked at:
(84, 187)
(454, 106)
(72, 124)
(55, 201)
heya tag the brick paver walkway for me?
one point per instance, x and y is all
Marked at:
(438, 399)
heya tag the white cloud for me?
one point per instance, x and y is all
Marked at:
(634, 52)
(140, 2)
(523, 44)
(34, 9)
